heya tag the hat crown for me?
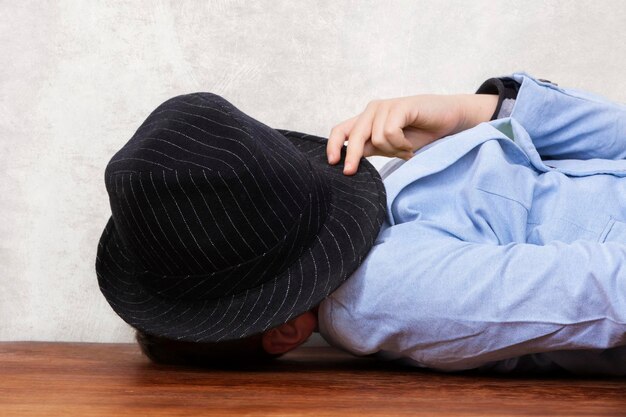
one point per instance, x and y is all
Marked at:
(209, 208)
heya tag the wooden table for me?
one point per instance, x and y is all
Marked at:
(87, 379)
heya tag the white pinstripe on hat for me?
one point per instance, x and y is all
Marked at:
(223, 227)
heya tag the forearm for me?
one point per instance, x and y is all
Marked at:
(460, 305)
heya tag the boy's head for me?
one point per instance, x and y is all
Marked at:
(225, 229)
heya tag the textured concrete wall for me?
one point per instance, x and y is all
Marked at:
(77, 78)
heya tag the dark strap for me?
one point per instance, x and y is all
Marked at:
(504, 87)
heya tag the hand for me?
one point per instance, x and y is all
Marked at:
(397, 127)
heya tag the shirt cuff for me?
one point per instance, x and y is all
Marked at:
(506, 88)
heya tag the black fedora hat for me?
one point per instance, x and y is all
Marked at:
(222, 227)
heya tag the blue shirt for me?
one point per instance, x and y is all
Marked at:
(504, 246)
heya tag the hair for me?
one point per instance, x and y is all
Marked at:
(243, 351)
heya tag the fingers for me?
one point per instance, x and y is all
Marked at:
(379, 130)
(393, 131)
(370, 150)
(337, 137)
(361, 132)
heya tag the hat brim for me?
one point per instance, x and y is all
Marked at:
(357, 210)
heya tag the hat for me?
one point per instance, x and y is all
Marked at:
(222, 227)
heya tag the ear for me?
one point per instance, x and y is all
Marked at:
(289, 335)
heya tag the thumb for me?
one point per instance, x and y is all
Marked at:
(369, 149)
(405, 155)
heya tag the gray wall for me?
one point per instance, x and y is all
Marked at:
(77, 78)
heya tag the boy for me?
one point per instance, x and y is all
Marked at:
(501, 243)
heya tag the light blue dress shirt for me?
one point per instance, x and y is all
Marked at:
(504, 246)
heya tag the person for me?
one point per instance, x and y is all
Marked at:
(501, 245)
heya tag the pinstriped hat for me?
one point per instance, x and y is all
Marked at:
(222, 227)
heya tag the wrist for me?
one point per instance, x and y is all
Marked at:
(476, 109)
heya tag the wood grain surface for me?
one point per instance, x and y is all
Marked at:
(85, 379)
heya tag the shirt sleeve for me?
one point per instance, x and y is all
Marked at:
(567, 123)
(450, 305)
